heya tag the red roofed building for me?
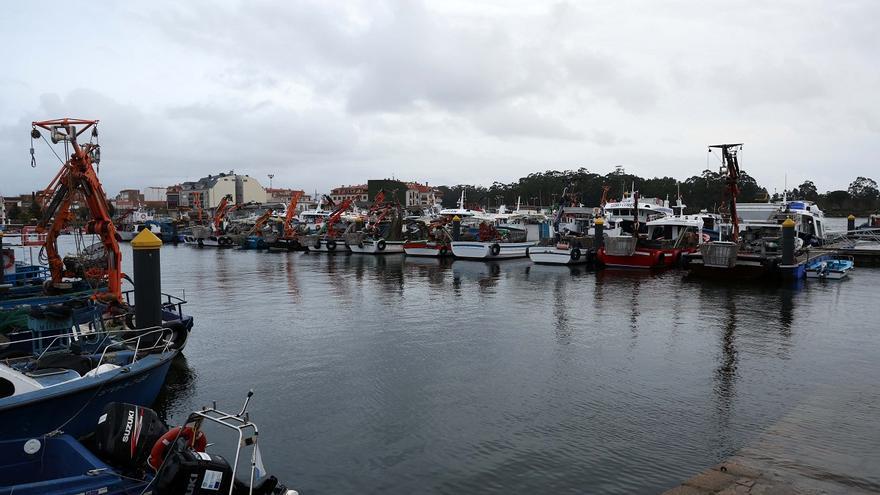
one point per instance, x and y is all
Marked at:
(420, 195)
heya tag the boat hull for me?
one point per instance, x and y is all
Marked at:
(746, 267)
(551, 255)
(330, 246)
(368, 246)
(211, 241)
(644, 258)
(475, 250)
(76, 405)
(422, 248)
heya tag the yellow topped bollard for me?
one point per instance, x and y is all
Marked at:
(147, 279)
(598, 233)
(851, 222)
(456, 228)
(788, 242)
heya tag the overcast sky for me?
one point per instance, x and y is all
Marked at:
(322, 93)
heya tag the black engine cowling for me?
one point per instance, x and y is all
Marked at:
(193, 473)
(126, 433)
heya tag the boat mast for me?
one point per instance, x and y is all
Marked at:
(730, 167)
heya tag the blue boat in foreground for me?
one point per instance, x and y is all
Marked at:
(134, 452)
(64, 390)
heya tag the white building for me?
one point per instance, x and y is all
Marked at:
(211, 190)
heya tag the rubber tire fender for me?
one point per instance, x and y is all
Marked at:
(380, 244)
(318, 243)
(495, 249)
(575, 254)
(331, 245)
(443, 251)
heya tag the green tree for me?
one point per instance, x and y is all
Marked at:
(807, 191)
(14, 213)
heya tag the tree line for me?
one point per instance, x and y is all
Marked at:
(705, 191)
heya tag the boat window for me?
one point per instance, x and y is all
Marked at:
(7, 389)
(709, 223)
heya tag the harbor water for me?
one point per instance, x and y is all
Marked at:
(401, 375)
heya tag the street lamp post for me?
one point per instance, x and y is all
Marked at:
(271, 176)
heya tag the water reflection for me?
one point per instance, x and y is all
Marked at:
(725, 373)
(177, 394)
(485, 273)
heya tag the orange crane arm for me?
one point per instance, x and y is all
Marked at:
(78, 177)
(336, 215)
(261, 220)
(220, 214)
(291, 211)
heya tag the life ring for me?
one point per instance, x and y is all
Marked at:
(143, 216)
(331, 245)
(198, 442)
(318, 243)
(443, 250)
(495, 249)
(575, 254)
(380, 244)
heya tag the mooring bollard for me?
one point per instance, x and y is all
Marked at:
(850, 223)
(147, 279)
(456, 228)
(599, 238)
(788, 242)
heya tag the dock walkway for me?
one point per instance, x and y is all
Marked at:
(825, 445)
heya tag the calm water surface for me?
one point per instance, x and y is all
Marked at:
(396, 375)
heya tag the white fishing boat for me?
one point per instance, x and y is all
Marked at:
(808, 218)
(561, 253)
(569, 244)
(620, 216)
(486, 242)
(376, 246)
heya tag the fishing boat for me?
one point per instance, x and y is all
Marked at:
(808, 218)
(487, 242)
(135, 452)
(430, 239)
(330, 237)
(666, 238)
(382, 231)
(830, 269)
(749, 250)
(569, 244)
(64, 388)
(632, 211)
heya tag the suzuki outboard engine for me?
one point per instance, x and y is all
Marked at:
(126, 433)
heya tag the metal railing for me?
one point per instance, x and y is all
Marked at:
(241, 424)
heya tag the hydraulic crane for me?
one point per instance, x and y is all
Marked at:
(220, 214)
(77, 179)
(730, 168)
(334, 217)
(291, 211)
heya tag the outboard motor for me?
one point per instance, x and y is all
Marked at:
(188, 472)
(126, 433)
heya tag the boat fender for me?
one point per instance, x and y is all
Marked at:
(331, 245)
(200, 243)
(495, 249)
(198, 442)
(575, 254)
(443, 250)
(661, 258)
(380, 245)
(361, 244)
(318, 243)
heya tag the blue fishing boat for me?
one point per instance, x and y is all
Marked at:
(830, 268)
(65, 387)
(134, 453)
